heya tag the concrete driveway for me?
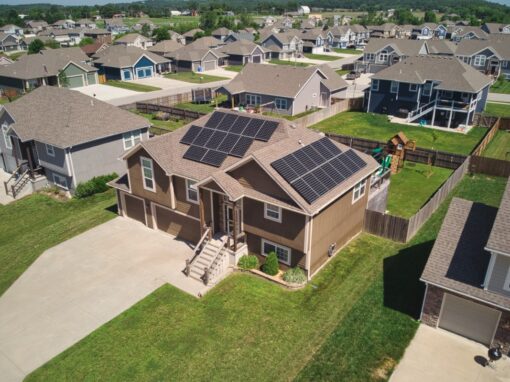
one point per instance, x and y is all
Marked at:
(440, 356)
(105, 92)
(77, 286)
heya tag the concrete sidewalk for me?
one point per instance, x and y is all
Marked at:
(77, 286)
(498, 97)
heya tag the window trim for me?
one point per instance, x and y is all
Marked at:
(189, 186)
(276, 100)
(428, 85)
(289, 251)
(7, 140)
(54, 175)
(131, 137)
(373, 87)
(413, 88)
(480, 58)
(279, 211)
(394, 91)
(153, 179)
(50, 150)
(360, 185)
(506, 285)
(256, 96)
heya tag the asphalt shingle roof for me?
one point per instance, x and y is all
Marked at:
(121, 56)
(499, 239)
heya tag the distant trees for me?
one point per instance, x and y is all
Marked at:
(86, 41)
(430, 17)
(160, 34)
(35, 46)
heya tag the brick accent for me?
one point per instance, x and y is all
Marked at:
(432, 309)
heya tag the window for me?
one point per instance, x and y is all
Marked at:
(383, 56)
(394, 87)
(282, 253)
(280, 103)
(506, 285)
(60, 181)
(504, 64)
(359, 191)
(272, 212)
(50, 150)
(447, 94)
(131, 139)
(7, 138)
(369, 56)
(253, 99)
(413, 87)
(427, 89)
(479, 60)
(148, 174)
(191, 191)
(375, 85)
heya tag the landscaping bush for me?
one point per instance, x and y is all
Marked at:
(295, 275)
(95, 185)
(270, 266)
(248, 262)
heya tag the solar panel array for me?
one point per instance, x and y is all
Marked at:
(317, 168)
(225, 134)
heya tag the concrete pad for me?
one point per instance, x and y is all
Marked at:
(438, 355)
(77, 286)
(105, 92)
(160, 82)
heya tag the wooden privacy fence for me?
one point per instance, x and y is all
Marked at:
(384, 225)
(478, 150)
(489, 166)
(150, 108)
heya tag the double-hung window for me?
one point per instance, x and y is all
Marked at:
(7, 138)
(50, 150)
(359, 191)
(131, 139)
(253, 99)
(60, 181)
(272, 212)
(427, 89)
(375, 85)
(383, 57)
(413, 88)
(148, 174)
(282, 253)
(479, 60)
(191, 191)
(280, 103)
(394, 87)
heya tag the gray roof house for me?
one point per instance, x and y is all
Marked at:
(491, 56)
(10, 42)
(284, 89)
(195, 58)
(467, 275)
(221, 33)
(241, 52)
(165, 47)
(34, 70)
(283, 45)
(134, 39)
(82, 138)
(189, 36)
(496, 28)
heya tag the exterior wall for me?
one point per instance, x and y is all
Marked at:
(7, 160)
(144, 62)
(49, 176)
(266, 99)
(254, 242)
(309, 96)
(74, 71)
(338, 223)
(57, 164)
(92, 78)
(181, 204)
(271, 42)
(432, 308)
(11, 83)
(499, 273)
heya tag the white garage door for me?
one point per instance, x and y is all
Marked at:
(468, 319)
(209, 65)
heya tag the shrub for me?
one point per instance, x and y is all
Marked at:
(94, 186)
(270, 266)
(295, 275)
(248, 262)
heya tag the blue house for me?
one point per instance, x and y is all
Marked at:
(125, 63)
(433, 90)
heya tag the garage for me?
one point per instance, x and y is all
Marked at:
(257, 59)
(176, 224)
(144, 72)
(134, 208)
(209, 65)
(75, 81)
(469, 319)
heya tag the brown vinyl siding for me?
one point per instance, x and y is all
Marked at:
(181, 204)
(297, 257)
(134, 208)
(338, 223)
(178, 225)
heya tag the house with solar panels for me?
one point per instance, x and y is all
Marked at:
(233, 183)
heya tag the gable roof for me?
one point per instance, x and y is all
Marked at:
(91, 49)
(441, 47)
(193, 32)
(499, 44)
(401, 46)
(131, 38)
(192, 53)
(495, 27)
(240, 48)
(122, 56)
(499, 239)
(74, 119)
(165, 46)
(451, 73)
(221, 32)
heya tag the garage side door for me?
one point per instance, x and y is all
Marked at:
(177, 225)
(134, 208)
(75, 82)
(468, 319)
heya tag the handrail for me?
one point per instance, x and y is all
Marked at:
(210, 272)
(18, 181)
(14, 173)
(196, 251)
(419, 110)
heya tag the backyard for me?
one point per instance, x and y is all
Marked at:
(290, 117)
(501, 86)
(195, 78)
(132, 86)
(170, 125)
(352, 322)
(497, 109)
(377, 127)
(202, 107)
(499, 147)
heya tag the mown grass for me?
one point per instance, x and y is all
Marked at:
(170, 125)
(323, 57)
(288, 62)
(501, 86)
(234, 68)
(497, 109)
(195, 78)
(290, 117)
(132, 86)
(499, 147)
(202, 107)
(377, 127)
(341, 72)
(347, 51)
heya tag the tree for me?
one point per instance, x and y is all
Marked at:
(430, 17)
(35, 46)
(52, 44)
(146, 30)
(209, 20)
(160, 34)
(86, 41)
(62, 79)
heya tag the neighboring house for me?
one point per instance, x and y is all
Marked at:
(429, 30)
(441, 91)
(177, 37)
(12, 29)
(283, 45)
(247, 185)
(36, 26)
(490, 56)
(64, 24)
(115, 26)
(85, 24)
(145, 22)
(66, 136)
(10, 42)
(240, 35)
(65, 37)
(494, 28)
(125, 63)
(242, 52)
(4, 60)
(189, 36)
(205, 42)
(386, 30)
(359, 35)
(165, 47)
(221, 33)
(134, 39)
(461, 32)
(314, 40)
(98, 34)
(92, 49)
(405, 31)
(43, 68)
(269, 21)
(195, 59)
(341, 37)
(467, 275)
(284, 89)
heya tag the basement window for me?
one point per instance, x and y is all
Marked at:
(282, 253)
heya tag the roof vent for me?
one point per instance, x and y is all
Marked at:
(301, 143)
(91, 102)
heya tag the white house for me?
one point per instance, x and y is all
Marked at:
(304, 10)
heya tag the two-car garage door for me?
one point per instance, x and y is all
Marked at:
(469, 319)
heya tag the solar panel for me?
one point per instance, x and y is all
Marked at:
(202, 137)
(304, 160)
(215, 120)
(314, 156)
(214, 158)
(228, 143)
(227, 122)
(251, 130)
(240, 148)
(286, 171)
(239, 125)
(195, 153)
(305, 191)
(216, 139)
(295, 164)
(266, 131)
(358, 162)
(190, 135)
(326, 148)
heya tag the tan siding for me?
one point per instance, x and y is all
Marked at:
(338, 223)
(181, 204)
(178, 225)
(499, 272)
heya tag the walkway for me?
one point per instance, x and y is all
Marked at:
(498, 97)
(77, 286)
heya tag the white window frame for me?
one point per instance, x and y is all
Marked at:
(383, 56)
(7, 140)
(276, 247)
(427, 89)
(272, 212)
(131, 139)
(50, 150)
(278, 103)
(144, 177)
(413, 88)
(504, 64)
(480, 60)
(191, 189)
(506, 285)
(57, 176)
(373, 86)
(253, 97)
(392, 85)
(359, 191)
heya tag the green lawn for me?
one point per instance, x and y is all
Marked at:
(323, 57)
(499, 147)
(202, 107)
(288, 62)
(411, 188)
(497, 109)
(341, 72)
(354, 319)
(33, 224)
(195, 78)
(290, 117)
(16, 56)
(4, 100)
(348, 51)
(377, 127)
(234, 68)
(176, 20)
(132, 86)
(501, 86)
(169, 125)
